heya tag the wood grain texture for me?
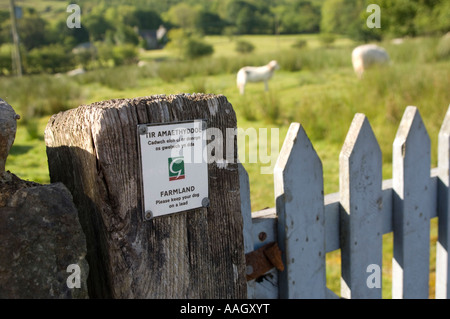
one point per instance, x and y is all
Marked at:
(298, 183)
(360, 216)
(246, 211)
(413, 205)
(93, 150)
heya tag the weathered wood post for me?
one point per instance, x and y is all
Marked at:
(197, 253)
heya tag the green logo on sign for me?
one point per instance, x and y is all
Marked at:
(176, 168)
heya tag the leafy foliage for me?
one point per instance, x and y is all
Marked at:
(244, 46)
(119, 22)
(48, 59)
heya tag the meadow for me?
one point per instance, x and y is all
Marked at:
(315, 86)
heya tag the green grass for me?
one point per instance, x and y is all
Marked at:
(316, 86)
(47, 9)
(28, 158)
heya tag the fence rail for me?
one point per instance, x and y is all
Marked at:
(307, 225)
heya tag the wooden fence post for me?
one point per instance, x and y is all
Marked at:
(360, 215)
(412, 208)
(442, 245)
(199, 253)
(298, 179)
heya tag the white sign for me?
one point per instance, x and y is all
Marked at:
(174, 172)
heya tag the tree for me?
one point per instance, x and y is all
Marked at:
(122, 34)
(416, 17)
(299, 17)
(147, 19)
(32, 32)
(60, 33)
(97, 25)
(210, 22)
(441, 17)
(250, 18)
(341, 16)
(399, 17)
(183, 16)
(187, 45)
(5, 27)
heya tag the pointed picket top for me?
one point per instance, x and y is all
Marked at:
(287, 147)
(296, 138)
(298, 179)
(358, 128)
(411, 149)
(411, 131)
(412, 206)
(443, 243)
(361, 220)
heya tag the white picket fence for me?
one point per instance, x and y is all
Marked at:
(307, 225)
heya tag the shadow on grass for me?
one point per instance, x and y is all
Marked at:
(20, 149)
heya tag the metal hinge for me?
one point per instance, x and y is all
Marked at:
(262, 260)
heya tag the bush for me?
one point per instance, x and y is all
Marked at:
(186, 45)
(174, 71)
(198, 85)
(117, 78)
(125, 54)
(5, 62)
(194, 49)
(39, 95)
(244, 46)
(109, 56)
(84, 57)
(299, 44)
(290, 61)
(327, 39)
(49, 59)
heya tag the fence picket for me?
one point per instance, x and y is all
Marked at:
(412, 207)
(307, 224)
(442, 245)
(246, 211)
(360, 216)
(298, 179)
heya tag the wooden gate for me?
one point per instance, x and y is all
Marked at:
(307, 225)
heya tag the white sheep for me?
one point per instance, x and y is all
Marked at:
(366, 56)
(256, 74)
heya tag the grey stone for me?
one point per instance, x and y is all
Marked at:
(40, 238)
(8, 127)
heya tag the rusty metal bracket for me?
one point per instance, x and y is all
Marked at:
(262, 260)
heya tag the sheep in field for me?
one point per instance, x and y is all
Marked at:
(366, 56)
(256, 74)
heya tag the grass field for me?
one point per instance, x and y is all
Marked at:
(315, 86)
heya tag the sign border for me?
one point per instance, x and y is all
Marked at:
(147, 215)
